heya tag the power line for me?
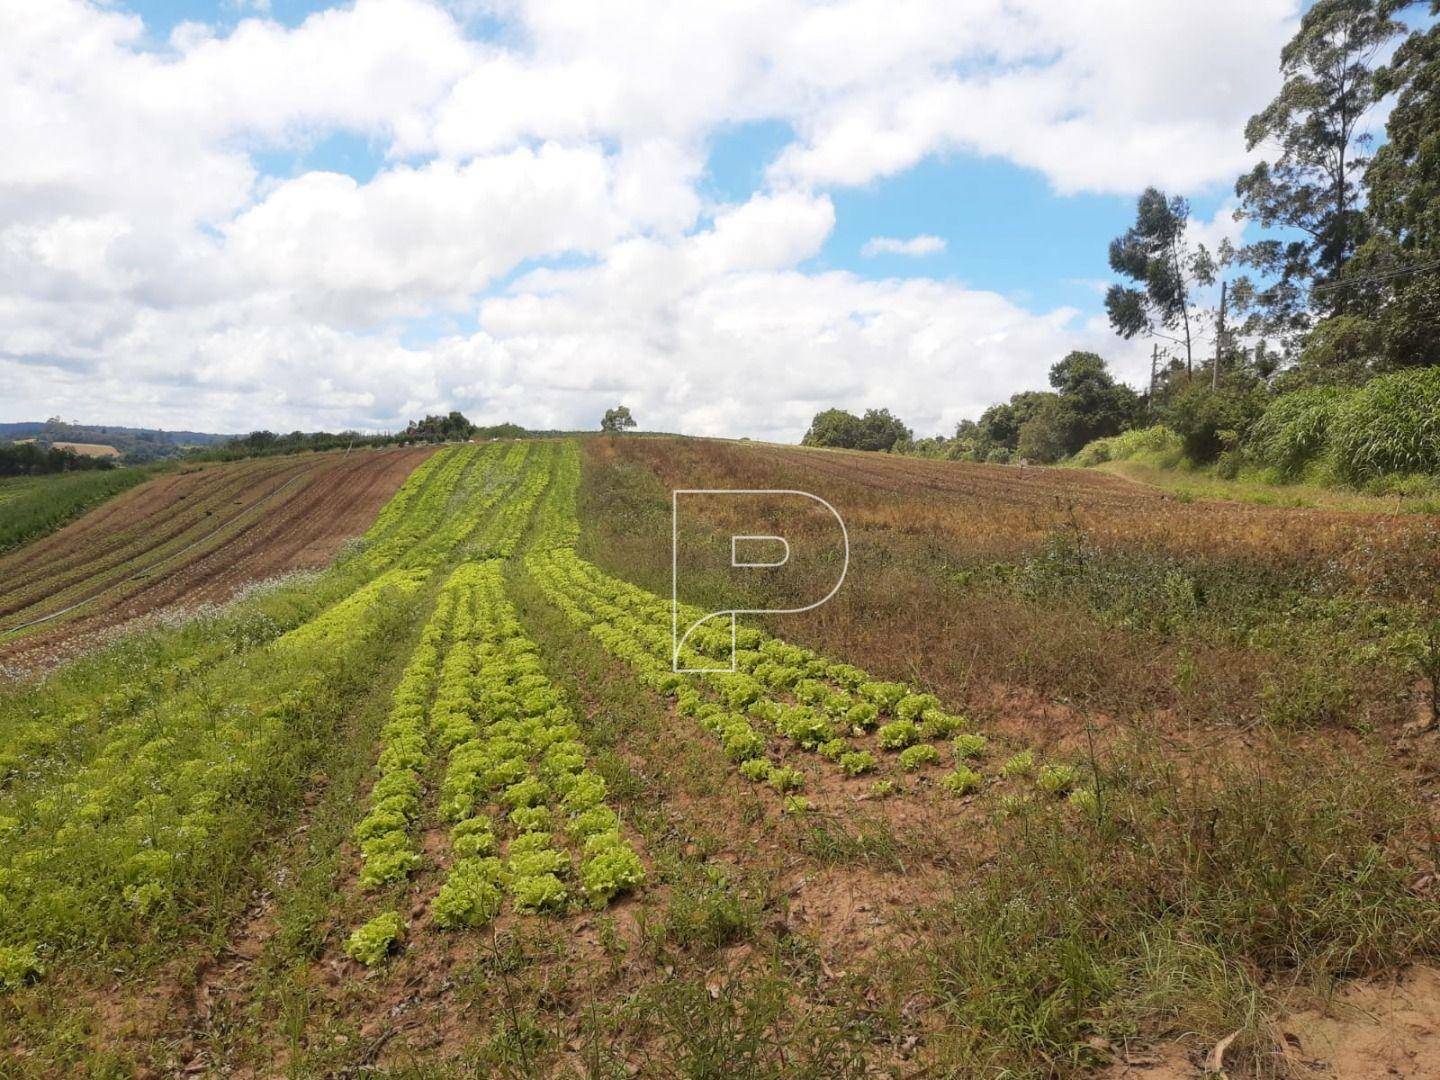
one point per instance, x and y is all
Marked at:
(1385, 276)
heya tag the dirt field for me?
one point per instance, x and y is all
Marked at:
(193, 537)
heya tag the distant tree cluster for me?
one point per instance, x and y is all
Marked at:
(450, 428)
(1042, 426)
(268, 444)
(500, 431)
(878, 429)
(32, 459)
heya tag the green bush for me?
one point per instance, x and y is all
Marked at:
(1210, 421)
(1128, 444)
(1390, 425)
(1294, 430)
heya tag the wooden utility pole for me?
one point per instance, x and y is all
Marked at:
(1219, 339)
(1154, 360)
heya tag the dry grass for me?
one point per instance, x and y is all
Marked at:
(987, 581)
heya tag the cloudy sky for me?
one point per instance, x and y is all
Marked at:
(238, 213)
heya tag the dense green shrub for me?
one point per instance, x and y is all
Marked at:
(1128, 444)
(1294, 430)
(1210, 421)
(1390, 425)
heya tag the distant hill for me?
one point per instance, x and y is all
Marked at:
(134, 444)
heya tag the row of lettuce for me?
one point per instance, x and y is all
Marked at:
(479, 742)
(521, 805)
(136, 785)
(779, 710)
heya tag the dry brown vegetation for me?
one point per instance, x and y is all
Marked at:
(1062, 583)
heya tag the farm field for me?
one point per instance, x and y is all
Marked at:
(185, 538)
(1070, 778)
(31, 506)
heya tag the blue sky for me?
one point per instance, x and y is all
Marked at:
(1005, 228)
(405, 206)
(999, 221)
(162, 16)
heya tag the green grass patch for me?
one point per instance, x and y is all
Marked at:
(34, 506)
(1180, 903)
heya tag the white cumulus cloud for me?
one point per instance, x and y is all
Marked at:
(915, 246)
(533, 234)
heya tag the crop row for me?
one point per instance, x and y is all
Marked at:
(54, 575)
(412, 520)
(834, 710)
(160, 818)
(440, 660)
(41, 730)
(515, 781)
(480, 504)
(155, 812)
(387, 852)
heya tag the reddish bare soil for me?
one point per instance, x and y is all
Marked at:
(185, 539)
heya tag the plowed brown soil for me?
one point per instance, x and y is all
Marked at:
(193, 537)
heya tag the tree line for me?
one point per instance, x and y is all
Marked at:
(32, 459)
(434, 428)
(1084, 403)
(1341, 286)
